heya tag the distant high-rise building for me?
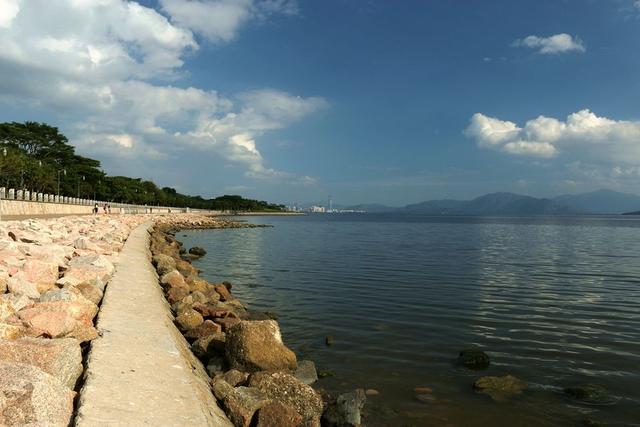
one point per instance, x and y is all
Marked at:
(330, 205)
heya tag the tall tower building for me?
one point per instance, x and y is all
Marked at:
(330, 204)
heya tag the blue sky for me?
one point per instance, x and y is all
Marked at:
(370, 101)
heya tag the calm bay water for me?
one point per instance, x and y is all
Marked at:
(554, 301)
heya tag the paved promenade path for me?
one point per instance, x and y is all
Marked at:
(141, 372)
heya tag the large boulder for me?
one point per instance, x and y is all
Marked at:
(30, 396)
(500, 388)
(287, 389)
(257, 346)
(61, 358)
(55, 319)
(209, 346)
(90, 292)
(207, 328)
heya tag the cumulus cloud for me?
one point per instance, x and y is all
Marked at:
(100, 64)
(219, 20)
(559, 43)
(583, 134)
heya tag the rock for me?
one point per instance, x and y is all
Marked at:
(189, 319)
(174, 279)
(208, 346)
(198, 297)
(345, 411)
(473, 359)
(426, 398)
(221, 388)
(500, 388)
(4, 278)
(11, 332)
(57, 319)
(306, 372)
(208, 327)
(6, 309)
(29, 396)
(164, 264)
(69, 293)
(235, 377)
(197, 284)
(185, 268)
(19, 285)
(328, 340)
(276, 414)
(224, 293)
(226, 323)
(85, 244)
(287, 389)
(17, 301)
(242, 403)
(371, 392)
(590, 394)
(90, 292)
(197, 251)
(61, 358)
(43, 274)
(257, 346)
(423, 390)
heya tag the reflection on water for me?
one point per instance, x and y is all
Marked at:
(554, 301)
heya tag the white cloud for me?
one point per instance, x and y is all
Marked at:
(220, 20)
(559, 43)
(8, 11)
(99, 64)
(583, 135)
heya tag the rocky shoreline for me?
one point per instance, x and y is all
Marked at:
(255, 377)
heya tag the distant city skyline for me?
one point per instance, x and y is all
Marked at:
(367, 101)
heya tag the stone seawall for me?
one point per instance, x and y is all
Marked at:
(141, 371)
(30, 209)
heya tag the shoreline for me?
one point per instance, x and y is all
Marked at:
(243, 350)
(81, 332)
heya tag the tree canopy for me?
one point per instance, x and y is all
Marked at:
(39, 158)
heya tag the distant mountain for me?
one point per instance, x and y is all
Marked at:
(373, 208)
(601, 202)
(632, 213)
(493, 204)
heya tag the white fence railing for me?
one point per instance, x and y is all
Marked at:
(29, 196)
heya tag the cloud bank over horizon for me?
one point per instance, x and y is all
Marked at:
(113, 70)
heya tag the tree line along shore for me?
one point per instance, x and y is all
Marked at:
(39, 158)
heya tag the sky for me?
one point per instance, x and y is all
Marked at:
(382, 101)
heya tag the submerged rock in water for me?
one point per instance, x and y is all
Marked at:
(590, 394)
(197, 251)
(473, 359)
(500, 388)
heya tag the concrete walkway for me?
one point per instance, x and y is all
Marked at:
(141, 371)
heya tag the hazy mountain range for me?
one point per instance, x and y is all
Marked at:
(595, 202)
